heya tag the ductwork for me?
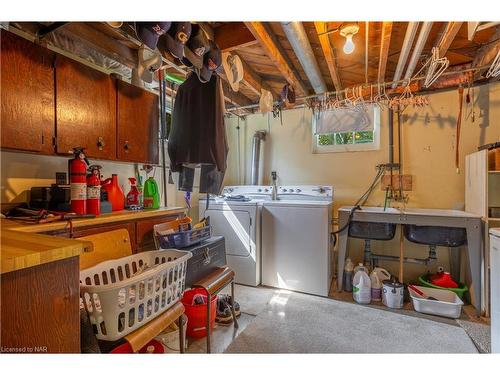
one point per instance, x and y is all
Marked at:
(411, 30)
(419, 46)
(297, 37)
(258, 137)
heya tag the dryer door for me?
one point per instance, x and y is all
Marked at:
(237, 225)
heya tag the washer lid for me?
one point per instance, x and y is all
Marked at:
(298, 203)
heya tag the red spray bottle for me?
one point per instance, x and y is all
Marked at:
(133, 194)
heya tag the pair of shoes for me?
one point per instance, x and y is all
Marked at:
(227, 298)
(224, 315)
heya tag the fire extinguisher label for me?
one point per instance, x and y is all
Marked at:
(93, 192)
(78, 191)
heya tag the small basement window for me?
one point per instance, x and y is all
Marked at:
(344, 130)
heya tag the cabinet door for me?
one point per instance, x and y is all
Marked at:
(27, 95)
(86, 109)
(138, 118)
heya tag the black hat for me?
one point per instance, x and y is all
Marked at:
(177, 36)
(212, 60)
(150, 32)
(196, 47)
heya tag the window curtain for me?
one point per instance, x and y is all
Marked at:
(341, 120)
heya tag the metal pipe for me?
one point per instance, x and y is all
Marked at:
(391, 136)
(258, 137)
(419, 46)
(411, 30)
(297, 37)
(392, 258)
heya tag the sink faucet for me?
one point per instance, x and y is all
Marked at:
(274, 195)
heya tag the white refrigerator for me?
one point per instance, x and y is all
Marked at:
(495, 288)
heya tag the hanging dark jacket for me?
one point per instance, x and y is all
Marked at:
(198, 135)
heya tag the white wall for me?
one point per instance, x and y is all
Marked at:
(428, 154)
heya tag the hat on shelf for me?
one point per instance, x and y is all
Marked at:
(233, 68)
(196, 47)
(177, 37)
(149, 62)
(212, 60)
(150, 32)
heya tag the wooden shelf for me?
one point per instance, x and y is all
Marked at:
(494, 172)
(494, 219)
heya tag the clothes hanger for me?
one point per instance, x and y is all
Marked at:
(437, 66)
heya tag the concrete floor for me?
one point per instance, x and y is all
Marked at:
(254, 300)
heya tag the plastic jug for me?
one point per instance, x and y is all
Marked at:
(361, 285)
(382, 274)
(151, 194)
(348, 273)
(376, 287)
(115, 193)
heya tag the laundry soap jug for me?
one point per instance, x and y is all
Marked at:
(114, 191)
(348, 274)
(361, 285)
(376, 287)
(151, 194)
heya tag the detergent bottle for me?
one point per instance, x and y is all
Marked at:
(151, 194)
(348, 273)
(133, 194)
(361, 286)
(114, 191)
(376, 287)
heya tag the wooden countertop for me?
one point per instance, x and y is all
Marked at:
(114, 217)
(23, 246)
(23, 250)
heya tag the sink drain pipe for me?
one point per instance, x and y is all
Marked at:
(372, 259)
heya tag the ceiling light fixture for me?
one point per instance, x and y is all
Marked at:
(348, 32)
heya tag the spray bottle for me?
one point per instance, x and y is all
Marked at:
(133, 194)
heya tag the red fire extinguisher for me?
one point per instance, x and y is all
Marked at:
(94, 190)
(78, 181)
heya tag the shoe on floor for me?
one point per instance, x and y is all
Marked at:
(227, 298)
(223, 316)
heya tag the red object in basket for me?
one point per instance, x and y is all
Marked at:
(197, 314)
(127, 349)
(444, 280)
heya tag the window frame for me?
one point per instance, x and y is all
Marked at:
(353, 147)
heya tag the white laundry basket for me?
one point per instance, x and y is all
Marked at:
(123, 294)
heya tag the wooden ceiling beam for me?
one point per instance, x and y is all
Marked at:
(329, 53)
(253, 80)
(272, 51)
(449, 35)
(233, 35)
(487, 53)
(385, 42)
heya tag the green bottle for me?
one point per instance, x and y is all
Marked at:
(151, 194)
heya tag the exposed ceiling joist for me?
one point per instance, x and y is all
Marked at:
(329, 53)
(474, 27)
(252, 79)
(418, 48)
(487, 53)
(385, 42)
(272, 51)
(449, 35)
(411, 30)
(233, 35)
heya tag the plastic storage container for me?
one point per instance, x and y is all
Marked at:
(123, 294)
(184, 239)
(448, 304)
(460, 291)
(197, 314)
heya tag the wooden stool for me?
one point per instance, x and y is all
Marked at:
(213, 284)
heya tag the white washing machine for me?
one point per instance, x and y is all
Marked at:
(239, 223)
(296, 246)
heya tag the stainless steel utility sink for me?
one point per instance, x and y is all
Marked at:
(435, 236)
(372, 231)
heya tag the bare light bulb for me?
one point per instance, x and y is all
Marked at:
(349, 44)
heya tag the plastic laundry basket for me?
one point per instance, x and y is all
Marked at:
(122, 295)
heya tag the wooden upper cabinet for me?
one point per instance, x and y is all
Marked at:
(138, 118)
(27, 95)
(85, 109)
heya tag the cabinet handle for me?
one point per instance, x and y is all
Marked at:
(126, 146)
(100, 143)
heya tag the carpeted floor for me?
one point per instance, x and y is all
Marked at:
(298, 323)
